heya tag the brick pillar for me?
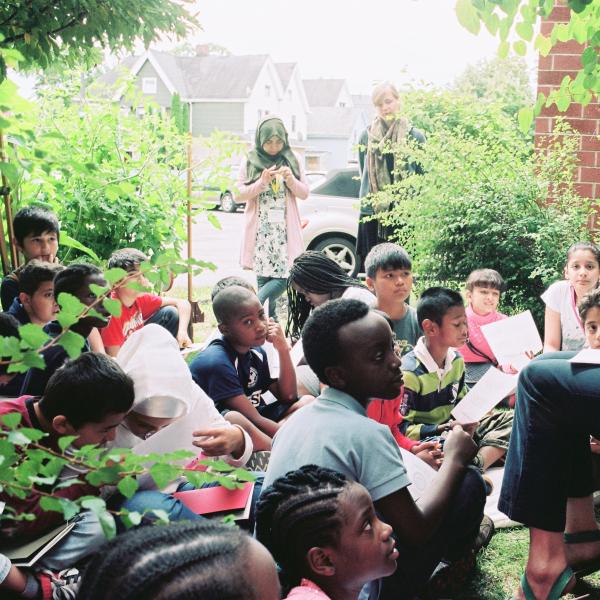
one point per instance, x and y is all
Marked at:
(565, 59)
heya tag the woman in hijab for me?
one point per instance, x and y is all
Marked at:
(270, 180)
(383, 162)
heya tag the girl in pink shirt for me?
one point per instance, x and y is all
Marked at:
(322, 530)
(484, 287)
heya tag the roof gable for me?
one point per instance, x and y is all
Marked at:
(323, 92)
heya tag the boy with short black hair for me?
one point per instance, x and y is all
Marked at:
(36, 303)
(140, 308)
(350, 348)
(75, 280)
(389, 276)
(37, 235)
(483, 290)
(434, 379)
(88, 397)
(234, 370)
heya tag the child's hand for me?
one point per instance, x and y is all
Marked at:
(276, 336)
(459, 446)
(430, 452)
(595, 445)
(183, 339)
(267, 175)
(220, 440)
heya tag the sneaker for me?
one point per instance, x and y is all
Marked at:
(486, 532)
(59, 586)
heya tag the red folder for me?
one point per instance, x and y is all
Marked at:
(216, 499)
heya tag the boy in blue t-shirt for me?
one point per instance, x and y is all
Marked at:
(234, 370)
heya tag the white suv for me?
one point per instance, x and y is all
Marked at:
(329, 218)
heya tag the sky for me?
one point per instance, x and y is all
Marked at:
(363, 41)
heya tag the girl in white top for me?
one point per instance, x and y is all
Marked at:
(563, 329)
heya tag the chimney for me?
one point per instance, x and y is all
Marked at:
(202, 49)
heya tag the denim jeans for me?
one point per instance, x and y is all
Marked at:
(271, 288)
(84, 539)
(166, 317)
(454, 537)
(549, 457)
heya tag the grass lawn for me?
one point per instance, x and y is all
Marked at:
(499, 566)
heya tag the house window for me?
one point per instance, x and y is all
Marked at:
(293, 123)
(341, 104)
(267, 90)
(149, 85)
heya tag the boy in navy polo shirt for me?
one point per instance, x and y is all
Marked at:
(234, 370)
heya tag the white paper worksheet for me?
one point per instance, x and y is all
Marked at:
(587, 356)
(419, 472)
(511, 338)
(484, 395)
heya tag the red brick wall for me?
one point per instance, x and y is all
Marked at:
(565, 59)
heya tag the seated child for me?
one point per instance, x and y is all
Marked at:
(75, 280)
(484, 287)
(434, 379)
(88, 398)
(350, 348)
(140, 308)
(589, 311)
(314, 279)
(35, 302)
(10, 383)
(204, 559)
(37, 234)
(389, 275)
(323, 532)
(234, 370)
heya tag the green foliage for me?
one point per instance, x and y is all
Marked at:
(508, 19)
(482, 200)
(41, 32)
(497, 81)
(180, 113)
(26, 467)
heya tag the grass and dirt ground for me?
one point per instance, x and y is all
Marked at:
(499, 566)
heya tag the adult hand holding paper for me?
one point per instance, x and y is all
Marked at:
(513, 340)
(480, 399)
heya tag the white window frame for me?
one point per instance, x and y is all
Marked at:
(149, 85)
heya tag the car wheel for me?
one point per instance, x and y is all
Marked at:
(227, 203)
(342, 251)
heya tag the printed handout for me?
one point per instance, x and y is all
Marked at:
(510, 339)
(587, 356)
(419, 472)
(484, 395)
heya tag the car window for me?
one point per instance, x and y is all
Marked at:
(342, 183)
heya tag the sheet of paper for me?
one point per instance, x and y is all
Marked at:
(419, 472)
(587, 356)
(273, 359)
(297, 353)
(191, 348)
(511, 338)
(484, 395)
(216, 499)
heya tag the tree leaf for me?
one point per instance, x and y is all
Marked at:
(113, 306)
(128, 486)
(163, 474)
(72, 342)
(31, 359)
(114, 275)
(65, 441)
(99, 290)
(107, 522)
(131, 519)
(33, 335)
(467, 16)
(69, 242)
(11, 420)
(70, 303)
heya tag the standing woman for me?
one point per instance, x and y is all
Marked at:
(270, 180)
(384, 162)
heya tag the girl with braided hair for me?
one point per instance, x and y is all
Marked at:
(202, 559)
(315, 278)
(323, 532)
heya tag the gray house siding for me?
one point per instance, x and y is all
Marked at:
(335, 152)
(162, 96)
(226, 116)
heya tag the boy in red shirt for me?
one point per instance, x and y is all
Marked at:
(140, 308)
